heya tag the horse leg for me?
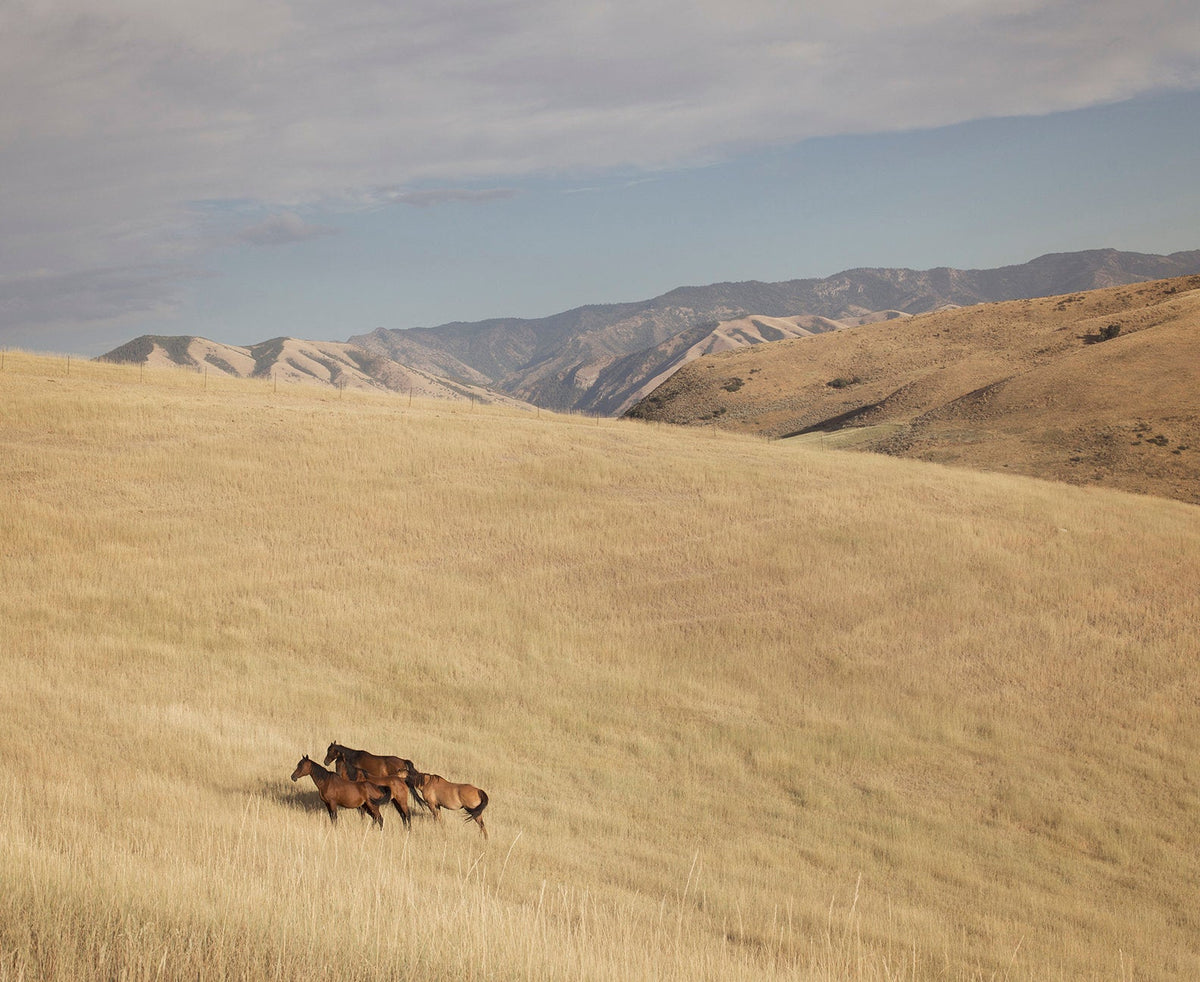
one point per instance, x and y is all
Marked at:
(402, 808)
(332, 811)
(374, 813)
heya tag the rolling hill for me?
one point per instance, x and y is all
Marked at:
(744, 709)
(1098, 387)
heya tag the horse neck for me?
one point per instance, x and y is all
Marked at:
(319, 774)
(341, 755)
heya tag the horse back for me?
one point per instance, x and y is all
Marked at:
(473, 799)
(399, 765)
(366, 788)
(447, 794)
(381, 766)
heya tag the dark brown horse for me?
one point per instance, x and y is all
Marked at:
(341, 792)
(372, 766)
(438, 793)
(395, 783)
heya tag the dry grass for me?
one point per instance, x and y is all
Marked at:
(743, 709)
(1021, 386)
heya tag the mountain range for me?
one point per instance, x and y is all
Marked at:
(604, 358)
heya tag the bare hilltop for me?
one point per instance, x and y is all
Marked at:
(1096, 387)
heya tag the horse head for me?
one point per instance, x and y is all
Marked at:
(335, 751)
(302, 768)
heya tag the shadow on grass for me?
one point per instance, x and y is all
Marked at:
(290, 796)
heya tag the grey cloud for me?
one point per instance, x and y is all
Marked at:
(89, 294)
(87, 311)
(310, 101)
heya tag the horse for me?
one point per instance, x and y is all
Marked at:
(373, 766)
(438, 793)
(395, 783)
(341, 792)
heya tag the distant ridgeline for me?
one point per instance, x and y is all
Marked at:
(602, 359)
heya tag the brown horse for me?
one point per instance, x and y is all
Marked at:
(341, 792)
(393, 782)
(438, 793)
(373, 766)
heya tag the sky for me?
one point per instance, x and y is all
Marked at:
(247, 169)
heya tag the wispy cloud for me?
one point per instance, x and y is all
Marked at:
(442, 196)
(595, 188)
(283, 228)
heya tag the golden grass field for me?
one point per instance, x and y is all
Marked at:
(744, 709)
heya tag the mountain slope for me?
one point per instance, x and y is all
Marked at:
(1026, 385)
(580, 359)
(292, 360)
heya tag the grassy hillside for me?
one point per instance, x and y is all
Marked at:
(1026, 386)
(743, 709)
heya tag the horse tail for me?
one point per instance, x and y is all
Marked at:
(410, 778)
(478, 809)
(386, 792)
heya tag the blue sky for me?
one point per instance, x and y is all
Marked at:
(299, 168)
